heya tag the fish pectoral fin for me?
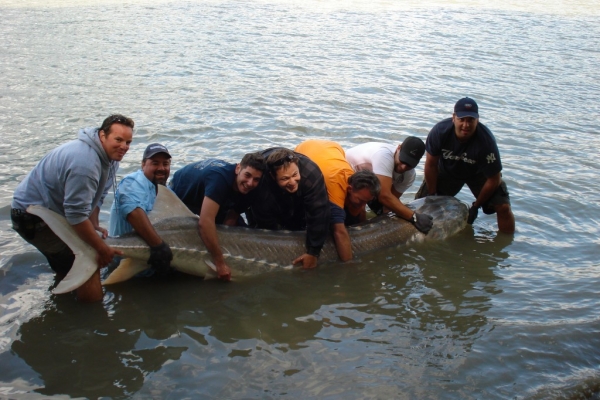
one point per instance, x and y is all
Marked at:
(127, 269)
(211, 272)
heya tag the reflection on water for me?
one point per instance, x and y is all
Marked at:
(81, 352)
(422, 312)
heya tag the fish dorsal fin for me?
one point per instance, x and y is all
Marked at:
(168, 205)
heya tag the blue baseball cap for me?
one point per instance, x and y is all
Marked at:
(466, 107)
(153, 149)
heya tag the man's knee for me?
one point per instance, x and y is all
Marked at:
(504, 212)
(506, 218)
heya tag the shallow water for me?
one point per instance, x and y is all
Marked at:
(480, 315)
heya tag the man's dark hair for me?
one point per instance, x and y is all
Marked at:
(254, 160)
(116, 119)
(365, 179)
(281, 158)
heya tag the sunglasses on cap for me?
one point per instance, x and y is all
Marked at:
(116, 119)
(289, 158)
(119, 119)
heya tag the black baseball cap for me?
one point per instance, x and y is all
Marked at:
(412, 150)
(153, 149)
(466, 107)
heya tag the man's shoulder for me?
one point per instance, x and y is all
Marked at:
(311, 174)
(384, 148)
(76, 150)
(75, 156)
(137, 177)
(485, 132)
(374, 146)
(370, 150)
(134, 175)
(305, 164)
(218, 175)
(207, 167)
(444, 126)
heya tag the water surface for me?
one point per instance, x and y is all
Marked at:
(480, 315)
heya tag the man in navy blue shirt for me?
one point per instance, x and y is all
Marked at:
(461, 150)
(218, 192)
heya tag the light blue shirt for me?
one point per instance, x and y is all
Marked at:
(135, 190)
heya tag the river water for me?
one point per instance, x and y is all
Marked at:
(479, 316)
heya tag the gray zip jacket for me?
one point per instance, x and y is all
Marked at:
(72, 179)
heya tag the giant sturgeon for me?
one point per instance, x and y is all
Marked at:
(247, 251)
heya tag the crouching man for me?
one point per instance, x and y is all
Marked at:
(134, 199)
(218, 192)
(73, 180)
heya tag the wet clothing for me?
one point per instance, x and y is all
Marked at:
(134, 191)
(331, 160)
(307, 208)
(450, 186)
(72, 180)
(379, 158)
(35, 232)
(470, 163)
(210, 178)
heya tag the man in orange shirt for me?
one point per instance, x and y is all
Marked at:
(348, 191)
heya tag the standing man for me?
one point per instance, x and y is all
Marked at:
(462, 150)
(348, 192)
(73, 181)
(134, 199)
(218, 192)
(394, 166)
(293, 196)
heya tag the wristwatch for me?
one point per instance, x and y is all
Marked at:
(414, 218)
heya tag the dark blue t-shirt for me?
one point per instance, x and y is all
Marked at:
(479, 155)
(211, 178)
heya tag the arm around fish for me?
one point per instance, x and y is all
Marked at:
(207, 230)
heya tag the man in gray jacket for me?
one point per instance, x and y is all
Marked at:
(73, 181)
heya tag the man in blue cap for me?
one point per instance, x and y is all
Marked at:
(134, 199)
(461, 150)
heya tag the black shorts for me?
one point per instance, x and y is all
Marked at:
(31, 228)
(448, 185)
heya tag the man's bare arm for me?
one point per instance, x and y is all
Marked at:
(341, 238)
(431, 172)
(142, 226)
(207, 229)
(389, 200)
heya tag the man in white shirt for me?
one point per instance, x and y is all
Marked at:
(394, 166)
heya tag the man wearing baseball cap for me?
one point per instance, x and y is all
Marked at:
(394, 166)
(461, 150)
(135, 197)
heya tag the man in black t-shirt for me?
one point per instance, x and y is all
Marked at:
(461, 150)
